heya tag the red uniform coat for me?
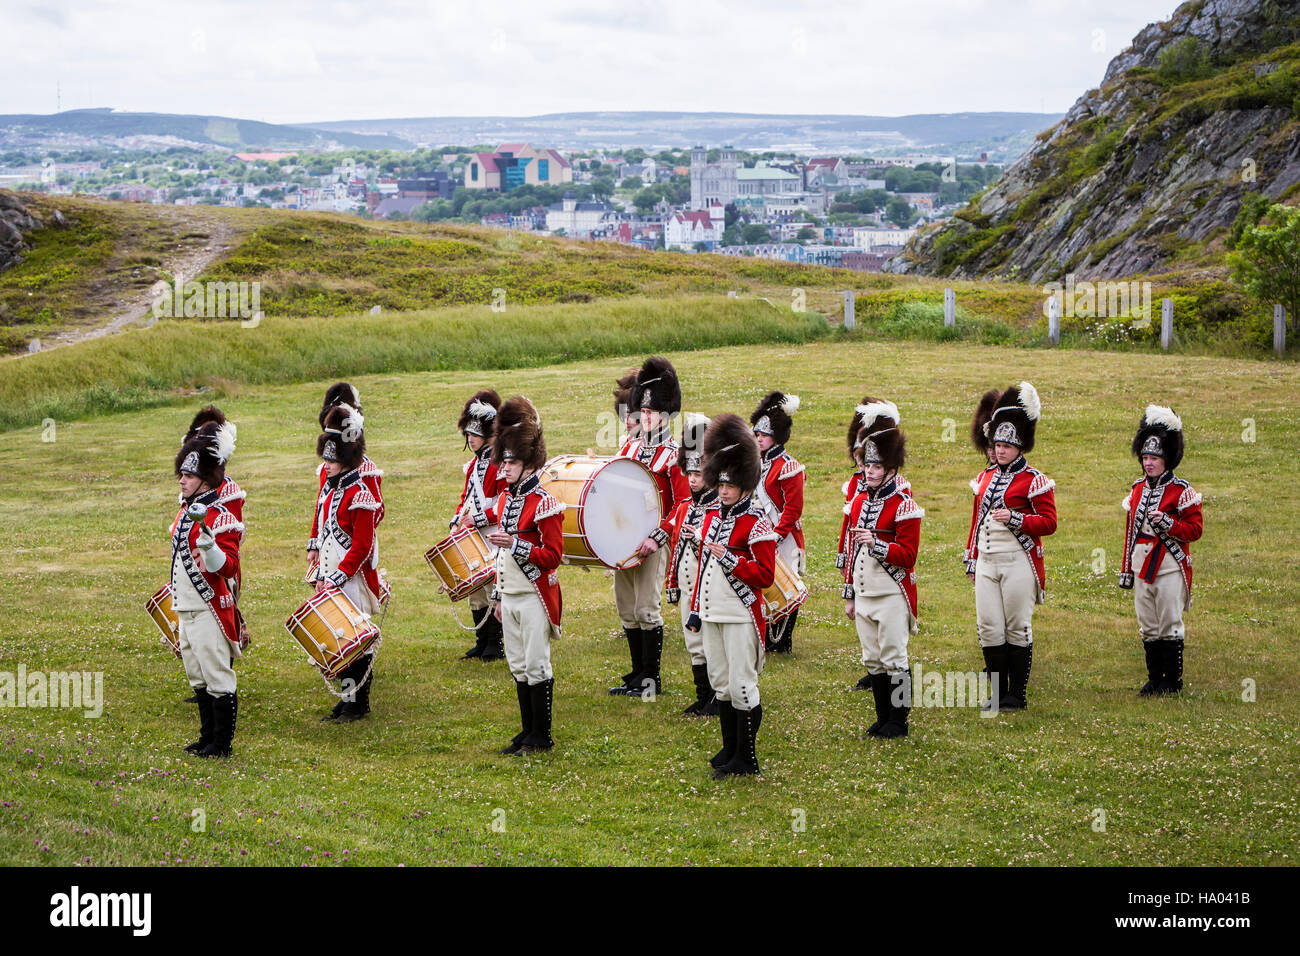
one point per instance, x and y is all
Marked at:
(674, 487)
(689, 513)
(219, 589)
(1027, 493)
(782, 482)
(232, 497)
(373, 478)
(857, 485)
(895, 520)
(536, 519)
(750, 562)
(351, 514)
(482, 486)
(1181, 505)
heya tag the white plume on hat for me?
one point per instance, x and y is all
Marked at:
(480, 409)
(790, 404)
(223, 442)
(1029, 401)
(1160, 415)
(871, 412)
(353, 419)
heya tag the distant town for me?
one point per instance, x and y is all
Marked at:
(852, 212)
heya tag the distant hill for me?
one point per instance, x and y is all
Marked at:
(1006, 134)
(1146, 173)
(107, 124)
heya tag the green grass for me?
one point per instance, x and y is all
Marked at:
(1203, 779)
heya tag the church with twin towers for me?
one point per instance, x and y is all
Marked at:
(713, 183)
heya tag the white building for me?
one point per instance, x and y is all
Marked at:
(577, 219)
(682, 230)
(867, 237)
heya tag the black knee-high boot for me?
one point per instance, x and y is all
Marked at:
(1019, 659)
(1154, 651)
(703, 691)
(745, 760)
(880, 693)
(900, 703)
(634, 649)
(1172, 681)
(494, 648)
(541, 697)
(785, 641)
(225, 708)
(652, 649)
(996, 665)
(727, 720)
(480, 633)
(525, 699)
(359, 705)
(205, 720)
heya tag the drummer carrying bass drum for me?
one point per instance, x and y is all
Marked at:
(780, 495)
(345, 518)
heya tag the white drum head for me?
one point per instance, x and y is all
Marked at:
(620, 510)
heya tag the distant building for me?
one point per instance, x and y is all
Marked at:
(713, 182)
(682, 230)
(516, 164)
(868, 238)
(386, 208)
(264, 157)
(577, 219)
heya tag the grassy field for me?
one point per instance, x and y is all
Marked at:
(1204, 779)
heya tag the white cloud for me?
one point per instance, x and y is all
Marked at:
(335, 59)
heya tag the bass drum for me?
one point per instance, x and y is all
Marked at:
(611, 506)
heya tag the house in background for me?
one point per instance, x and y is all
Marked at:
(516, 164)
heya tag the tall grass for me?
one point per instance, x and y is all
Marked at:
(153, 366)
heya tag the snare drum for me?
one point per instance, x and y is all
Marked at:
(332, 631)
(169, 624)
(611, 506)
(785, 594)
(462, 562)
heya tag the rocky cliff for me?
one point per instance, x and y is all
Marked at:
(1147, 172)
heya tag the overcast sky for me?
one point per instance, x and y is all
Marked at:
(301, 61)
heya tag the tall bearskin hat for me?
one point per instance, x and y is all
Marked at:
(518, 434)
(880, 440)
(1015, 417)
(657, 386)
(205, 451)
(731, 453)
(1160, 433)
(690, 456)
(208, 419)
(855, 425)
(623, 393)
(979, 436)
(478, 414)
(772, 417)
(340, 393)
(343, 438)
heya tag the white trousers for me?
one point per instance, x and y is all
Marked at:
(205, 652)
(479, 599)
(731, 653)
(526, 634)
(1160, 606)
(883, 625)
(637, 592)
(1006, 592)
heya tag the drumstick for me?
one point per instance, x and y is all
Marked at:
(620, 564)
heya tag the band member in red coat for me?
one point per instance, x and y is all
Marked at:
(857, 485)
(1014, 509)
(629, 416)
(638, 590)
(482, 485)
(530, 544)
(879, 568)
(206, 538)
(347, 514)
(341, 393)
(684, 560)
(780, 495)
(737, 561)
(230, 496)
(1162, 518)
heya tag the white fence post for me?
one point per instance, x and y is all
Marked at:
(849, 320)
(949, 308)
(1166, 323)
(1054, 320)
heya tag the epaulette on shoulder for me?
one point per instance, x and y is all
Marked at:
(1039, 484)
(908, 510)
(369, 468)
(548, 505)
(1189, 497)
(229, 491)
(363, 499)
(789, 468)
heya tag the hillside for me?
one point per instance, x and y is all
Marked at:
(106, 125)
(1146, 173)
